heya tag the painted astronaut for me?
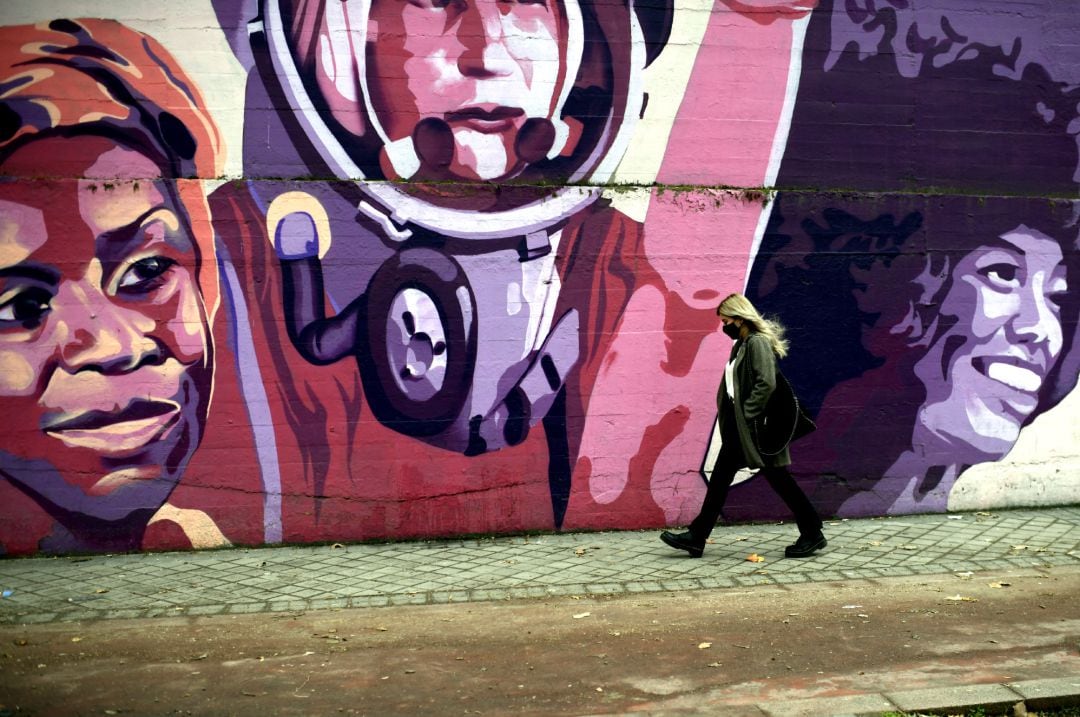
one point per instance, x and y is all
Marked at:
(449, 135)
(447, 294)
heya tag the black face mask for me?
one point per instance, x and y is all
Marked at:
(733, 331)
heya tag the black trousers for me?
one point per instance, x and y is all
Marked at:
(728, 463)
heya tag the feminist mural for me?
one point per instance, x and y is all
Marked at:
(392, 269)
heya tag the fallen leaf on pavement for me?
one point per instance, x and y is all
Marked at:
(755, 558)
(999, 585)
(579, 551)
(704, 645)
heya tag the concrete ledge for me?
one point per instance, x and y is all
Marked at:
(1048, 694)
(851, 704)
(992, 698)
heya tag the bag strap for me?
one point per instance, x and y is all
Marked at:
(795, 416)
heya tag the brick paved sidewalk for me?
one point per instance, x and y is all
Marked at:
(236, 581)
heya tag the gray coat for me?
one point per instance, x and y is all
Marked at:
(755, 381)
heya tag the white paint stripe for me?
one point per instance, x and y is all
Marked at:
(256, 402)
(783, 128)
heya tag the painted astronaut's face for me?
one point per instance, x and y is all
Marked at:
(483, 67)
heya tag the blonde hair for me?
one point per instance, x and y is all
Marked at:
(737, 306)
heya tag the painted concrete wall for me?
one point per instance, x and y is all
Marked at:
(298, 270)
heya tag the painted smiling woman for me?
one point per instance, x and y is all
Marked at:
(107, 283)
(941, 282)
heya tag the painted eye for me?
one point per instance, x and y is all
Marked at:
(27, 307)
(1001, 274)
(1058, 294)
(145, 275)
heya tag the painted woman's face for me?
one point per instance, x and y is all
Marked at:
(104, 354)
(1001, 336)
(482, 66)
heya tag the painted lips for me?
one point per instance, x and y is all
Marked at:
(116, 434)
(1021, 381)
(488, 121)
(1018, 375)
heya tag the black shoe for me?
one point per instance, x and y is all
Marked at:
(806, 546)
(684, 541)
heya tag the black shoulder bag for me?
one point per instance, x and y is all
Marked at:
(783, 421)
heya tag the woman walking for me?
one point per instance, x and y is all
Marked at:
(748, 383)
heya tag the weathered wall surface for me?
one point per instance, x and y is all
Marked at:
(303, 270)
